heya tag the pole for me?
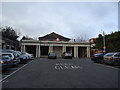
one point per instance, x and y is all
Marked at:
(104, 48)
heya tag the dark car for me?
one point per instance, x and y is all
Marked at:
(98, 58)
(5, 62)
(52, 55)
(67, 55)
(112, 58)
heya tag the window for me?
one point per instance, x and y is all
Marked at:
(109, 54)
(117, 55)
(7, 55)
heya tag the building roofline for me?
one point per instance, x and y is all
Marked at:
(38, 41)
(53, 33)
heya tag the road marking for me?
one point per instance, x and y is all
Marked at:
(67, 66)
(15, 71)
(64, 64)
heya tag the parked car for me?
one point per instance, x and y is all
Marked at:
(52, 55)
(23, 57)
(13, 55)
(98, 57)
(29, 56)
(112, 58)
(67, 55)
(8, 50)
(5, 62)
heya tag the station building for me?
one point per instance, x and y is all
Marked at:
(54, 42)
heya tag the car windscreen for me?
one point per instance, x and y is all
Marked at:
(117, 55)
(68, 53)
(53, 54)
(23, 53)
(98, 54)
(109, 54)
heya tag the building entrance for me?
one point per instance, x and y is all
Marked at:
(70, 49)
(31, 49)
(58, 50)
(82, 52)
(44, 50)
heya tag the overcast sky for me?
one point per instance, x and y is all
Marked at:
(72, 20)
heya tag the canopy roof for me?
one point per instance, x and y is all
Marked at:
(53, 37)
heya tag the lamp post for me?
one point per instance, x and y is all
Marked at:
(104, 47)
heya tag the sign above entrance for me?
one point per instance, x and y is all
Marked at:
(57, 39)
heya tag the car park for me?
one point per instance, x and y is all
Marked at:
(67, 55)
(11, 58)
(52, 55)
(112, 58)
(5, 62)
(98, 58)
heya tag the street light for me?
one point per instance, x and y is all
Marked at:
(104, 47)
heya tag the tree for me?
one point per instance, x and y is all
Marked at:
(99, 42)
(9, 32)
(112, 42)
(82, 38)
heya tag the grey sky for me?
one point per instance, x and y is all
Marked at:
(70, 19)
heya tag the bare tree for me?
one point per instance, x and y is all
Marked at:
(82, 38)
(35, 38)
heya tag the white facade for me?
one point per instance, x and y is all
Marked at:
(54, 46)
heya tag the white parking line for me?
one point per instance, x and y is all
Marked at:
(15, 71)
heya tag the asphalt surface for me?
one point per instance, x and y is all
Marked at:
(63, 73)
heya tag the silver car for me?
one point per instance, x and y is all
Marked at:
(29, 56)
(13, 56)
(112, 58)
(67, 55)
(5, 62)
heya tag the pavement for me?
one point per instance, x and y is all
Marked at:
(63, 73)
